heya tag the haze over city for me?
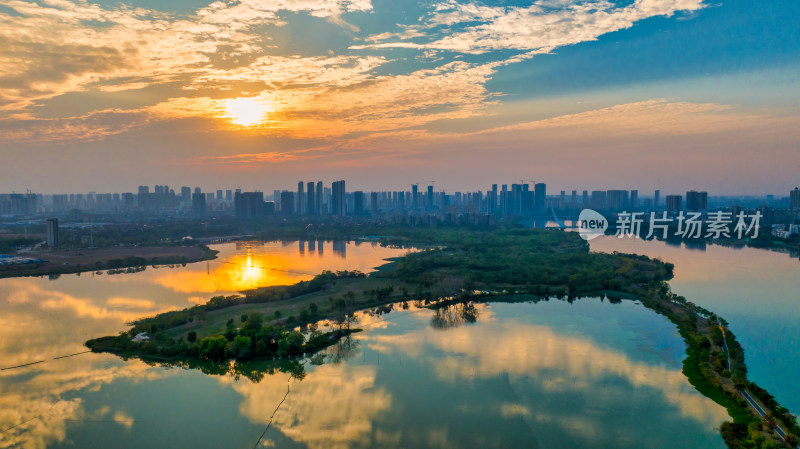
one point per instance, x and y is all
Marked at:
(653, 94)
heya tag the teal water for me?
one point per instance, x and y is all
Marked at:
(545, 375)
(757, 291)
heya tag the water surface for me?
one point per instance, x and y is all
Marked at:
(522, 375)
(756, 290)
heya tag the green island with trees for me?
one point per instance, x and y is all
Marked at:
(260, 330)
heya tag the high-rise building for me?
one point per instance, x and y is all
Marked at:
(674, 203)
(599, 199)
(287, 203)
(338, 200)
(429, 199)
(617, 200)
(186, 194)
(358, 203)
(414, 196)
(52, 232)
(657, 199)
(199, 205)
(249, 205)
(585, 198)
(219, 195)
(794, 198)
(311, 199)
(540, 197)
(491, 199)
(515, 199)
(228, 195)
(143, 197)
(318, 200)
(634, 199)
(300, 199)
(696, 201)
(373, 202)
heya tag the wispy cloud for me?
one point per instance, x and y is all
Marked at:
(540, 27)
(194, 62)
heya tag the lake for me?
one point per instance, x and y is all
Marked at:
(551, 374)
(756, 290)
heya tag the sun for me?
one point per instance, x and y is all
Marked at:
(245, 111)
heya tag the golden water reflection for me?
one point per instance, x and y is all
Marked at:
(274, 263)
(43, 320)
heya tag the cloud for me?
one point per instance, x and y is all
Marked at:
(320, 106)
(650, 116)
(53, 48)
(48, 49)
(131, 303)
(540, 27)
(559, 364)
(332, 407)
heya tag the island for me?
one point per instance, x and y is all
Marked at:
(274, 327)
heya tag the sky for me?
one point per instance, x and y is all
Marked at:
(257, 94)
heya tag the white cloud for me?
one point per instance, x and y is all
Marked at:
(542, 26)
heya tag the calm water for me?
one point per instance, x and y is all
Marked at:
(42, 319)
(549, 375)
(757, 291)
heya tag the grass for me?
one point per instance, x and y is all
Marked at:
(216, 321)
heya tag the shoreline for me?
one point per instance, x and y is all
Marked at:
(119, 258)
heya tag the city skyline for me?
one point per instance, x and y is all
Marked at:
(313, 198)
(655, 93)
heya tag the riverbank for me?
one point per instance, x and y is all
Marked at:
(95, 259)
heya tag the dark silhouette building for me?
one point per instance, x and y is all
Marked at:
(311, 199)
(199, 205)
(358, 203)
(540, 197)
(674, 203)
(52, 232)
(249, 205)
(696, 201)
(287, 203)
(338, 200)
(301, 209)
(794, 198)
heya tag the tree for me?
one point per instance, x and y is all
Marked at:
(213, 348)
(769, 421)
(313, 309)
(739, 381)
(240, 347)
(230, 330)
(191, 337)
(253, 324)
(291, 344)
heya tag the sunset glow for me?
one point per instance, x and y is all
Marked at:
(458, 91)
(246, 111)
